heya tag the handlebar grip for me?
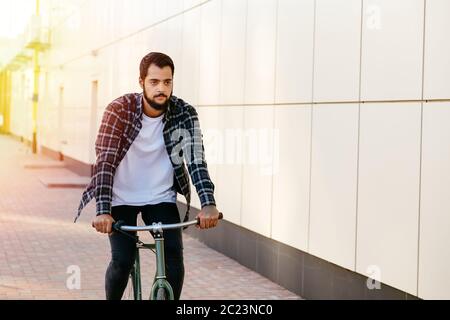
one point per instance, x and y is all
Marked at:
(220, 217)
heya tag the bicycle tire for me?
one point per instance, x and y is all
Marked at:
(161, 290)
(161, 294)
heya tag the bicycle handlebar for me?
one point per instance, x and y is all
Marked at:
(119, 225)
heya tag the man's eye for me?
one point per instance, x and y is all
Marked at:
(168, 83)
(153, 83)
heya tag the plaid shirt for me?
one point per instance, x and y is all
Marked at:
(121, 124)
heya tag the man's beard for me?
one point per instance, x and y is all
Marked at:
(155, 105)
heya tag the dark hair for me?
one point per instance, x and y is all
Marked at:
(159, 59)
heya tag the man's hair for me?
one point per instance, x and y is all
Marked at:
(159, 59)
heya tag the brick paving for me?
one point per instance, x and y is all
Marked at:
(40, 246)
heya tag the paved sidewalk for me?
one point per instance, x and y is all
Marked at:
(41, 247)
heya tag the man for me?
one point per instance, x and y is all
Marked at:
(143, 141)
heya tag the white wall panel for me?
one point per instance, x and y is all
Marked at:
(229, 163)
(392, 50)
(294, 54)
(260, 51)
(388, 193)
(437, 50)
(190, 57)
(159, 38)
(434, 256)
(257, 169)
(189, 73)
(337, 50)
(233, 44)
(160, 10)
(174, 7)
(209, 125)
(290, 208)
(187, 4)
(174, 48)
(210, 53)
(334, 183)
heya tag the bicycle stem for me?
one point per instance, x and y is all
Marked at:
(160, 257)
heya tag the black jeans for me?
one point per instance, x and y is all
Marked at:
(123, 248)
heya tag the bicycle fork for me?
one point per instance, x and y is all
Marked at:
(160, 280)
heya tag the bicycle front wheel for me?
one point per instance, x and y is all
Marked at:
(161, 294)
(161, 290)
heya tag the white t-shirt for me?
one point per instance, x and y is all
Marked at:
(145, 174)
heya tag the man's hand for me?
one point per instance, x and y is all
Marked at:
(103, 223)
(209, 217)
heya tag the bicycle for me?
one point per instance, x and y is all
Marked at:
(161, 288)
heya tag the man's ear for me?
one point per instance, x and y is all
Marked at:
(141, 83)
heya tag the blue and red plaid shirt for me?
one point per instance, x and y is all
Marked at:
(121, 123)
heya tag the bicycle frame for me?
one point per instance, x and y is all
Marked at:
(160, 280)
(160, 276)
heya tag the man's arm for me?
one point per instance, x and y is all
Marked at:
(107, 150)
(198, 170)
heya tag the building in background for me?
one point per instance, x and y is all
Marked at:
(326, 125)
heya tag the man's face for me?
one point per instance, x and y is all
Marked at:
(157, 86)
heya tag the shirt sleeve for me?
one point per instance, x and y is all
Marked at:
(107, 146)
(194, 154)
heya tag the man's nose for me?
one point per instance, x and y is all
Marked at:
(160, 87)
